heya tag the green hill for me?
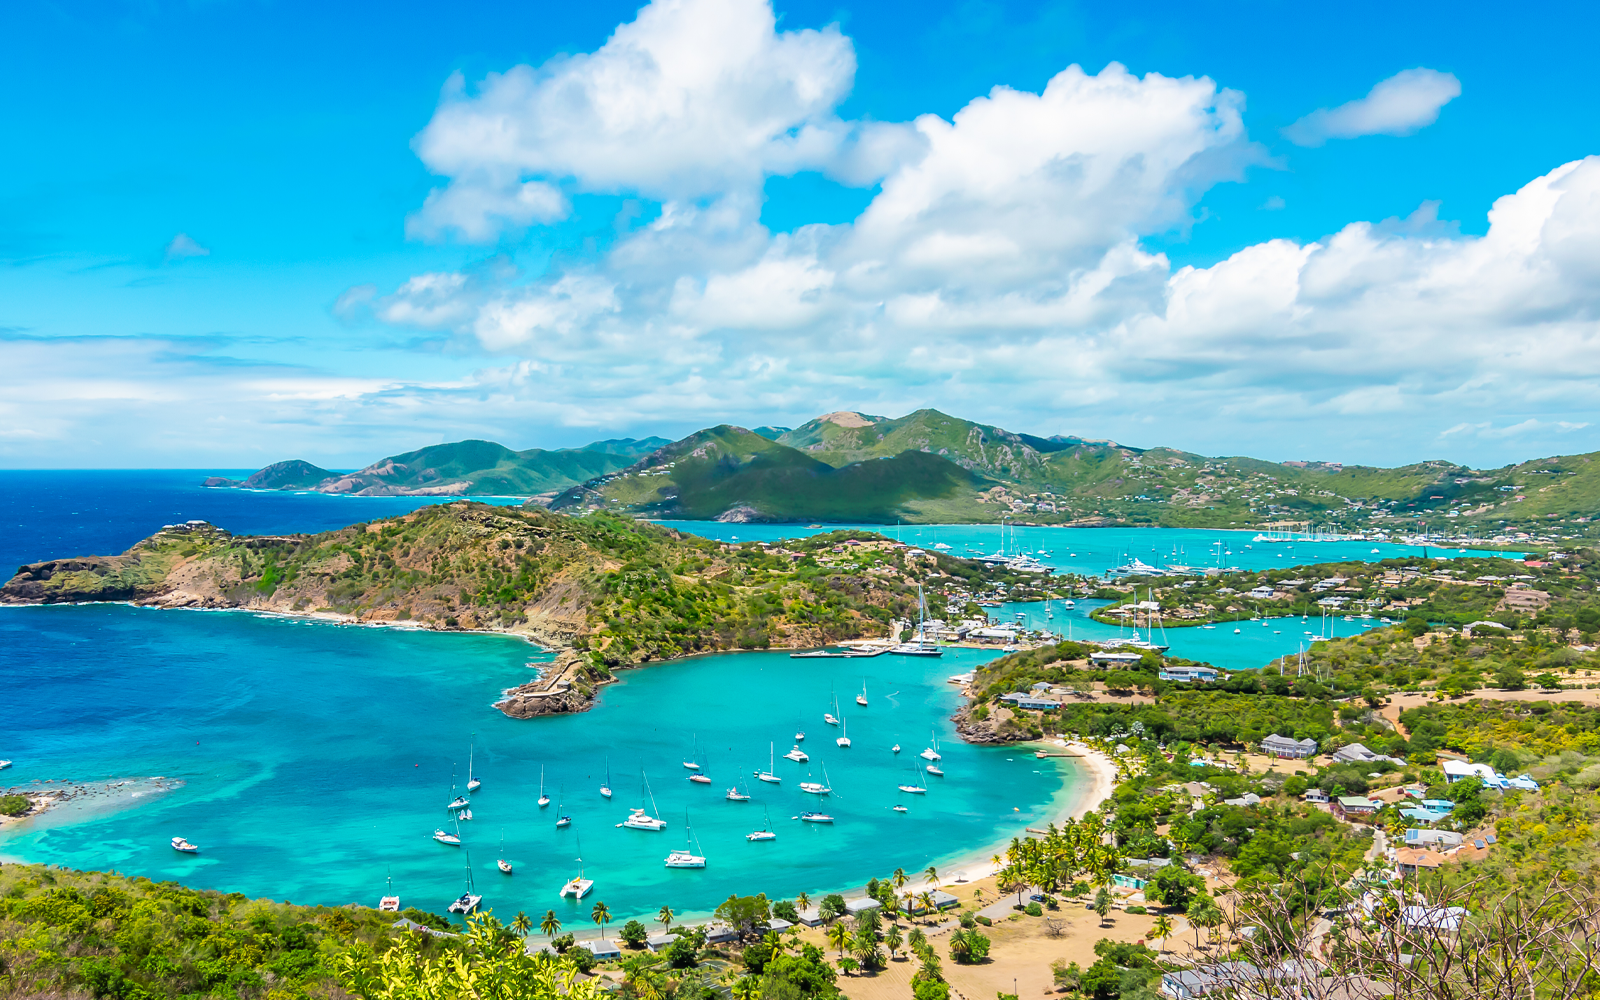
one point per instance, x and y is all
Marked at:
(842, 438)
(730, 473)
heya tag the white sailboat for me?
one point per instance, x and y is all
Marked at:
(935, 769)
(693, 763)
(736, 794)
(577, 886)
(473, 784)
(844, 734)
(470, 899)
(456, 801)
(639, 819)
(562, 819)
(920, 788)
(501, 862)
(544, 799)
(920, 645)
(799, 735)
(832, 718)
(861, 699)
(815, 817)
(448, 839)
(818, 788)
(767, 775)
(686, 858)
(605, 789)
(765, 833)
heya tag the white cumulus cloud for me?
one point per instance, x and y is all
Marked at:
(1400, 105)
(184, 246)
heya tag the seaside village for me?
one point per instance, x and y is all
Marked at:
(1177, 873)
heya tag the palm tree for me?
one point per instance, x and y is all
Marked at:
(774, 942)
(1162, 929)
(926, 899)
(899, 879)
(838, 936)
(802, 901)
(1102, 904)
(551, 924)
(523, 924)
(892, 939)
(932, 874)
(747, 988)
(601, 914)
(665, 916)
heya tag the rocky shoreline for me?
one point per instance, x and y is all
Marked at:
(52, 793)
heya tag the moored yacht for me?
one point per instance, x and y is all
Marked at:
(737, 794)
(815, 817)
(797, 755)
(447, 838)
(685, 857)
(844, 735)
(179, 844)
(934, 769)
(765, 833)
(639, 819)
(473, 784)
(767, 775)
(931, 752)
(577, 886)
(470, 899)
(544, 799)
(861, 699)
(817, 787)
(605, 789)
(699, 779)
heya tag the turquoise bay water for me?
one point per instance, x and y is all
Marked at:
(317, 759)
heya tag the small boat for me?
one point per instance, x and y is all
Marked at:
(1237, 631)
(447, 838)
(562, 819)
(686, 858)
(577, 886)
(469, 900)
(844, 737)
(765, 833)
(934, 769)
(699, 779)
(639, 819)
(473, 784)
(932, 752)
(797, 755)
(816, 787)
(4, 764)
(736, 794)
(897, 748)
(501, 863)
(899, 808)
(391, 902)
(179, 844)
(459, 802)
(544, 799)
(828, 717)
(815, 817)
(693, 763)
(767, 775)
(464, 815)
(920, 788)
(861, 699)
(605, 789)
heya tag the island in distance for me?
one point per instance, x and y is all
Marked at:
(930, 467)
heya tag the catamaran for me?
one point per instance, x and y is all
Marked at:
(920, 788)
(767, 775)
(639, 819)
(544, 799)
(473, 784)
(844, 735)
(391, 902)
(179, 844)
(817, 788)
(686, 858)
(932, 752)
(605, 789)
(501, 862)
(469, 900)
(765, 833)
(861, 699)
(797, 755)
(577, 886)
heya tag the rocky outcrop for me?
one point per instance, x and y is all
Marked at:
(560, 688)
(995, 730)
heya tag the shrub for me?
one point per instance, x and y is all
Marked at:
(13, 805)
(634, 934)
(985, 921)
(1137, 910)
(1035, 910)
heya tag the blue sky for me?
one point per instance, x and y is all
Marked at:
(239, 232)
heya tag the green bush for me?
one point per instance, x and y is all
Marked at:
(634, 934)
(985, 921)
(13, 805)
(1137, 911)
(1035, 910)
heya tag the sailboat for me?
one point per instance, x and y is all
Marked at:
(920, 646)
(799, 735)
(605, 789)
(815, 817)
(686, 858)
(935, 769)
(832, 718)
(456, 801)
(501, 862)
(473, 784)
(577, 886)
(562, 819)
(735, 794)
(448, 839)
(816, 788)
(765, 833)
(861, 699)
(639, 819)
(693, 763)
(390, 903)
(544, 799)
(932, 752)
(844, 735)
(920, 788)
(469, 900)
(767, 775)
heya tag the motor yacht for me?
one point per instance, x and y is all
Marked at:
(797, 755)
(179, 844)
